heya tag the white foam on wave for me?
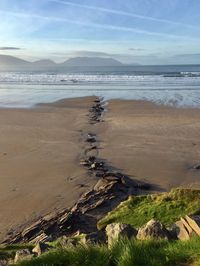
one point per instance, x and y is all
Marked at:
(95, 79)
(25, 90)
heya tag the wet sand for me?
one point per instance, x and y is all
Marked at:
(41, 150)
(157, 144)
(39, 160)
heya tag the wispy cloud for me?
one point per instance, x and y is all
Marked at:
(9, 48)
(187, 55)
(136, 49)
(94, 25)
(123, 13)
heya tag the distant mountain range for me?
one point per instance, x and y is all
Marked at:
(10, 63)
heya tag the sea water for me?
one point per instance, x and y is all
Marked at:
(169, 85)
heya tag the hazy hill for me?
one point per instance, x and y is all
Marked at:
(91, 61)
(10, 63)
(43, 65)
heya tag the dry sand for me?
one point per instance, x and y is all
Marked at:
(41, 147)
(154, 143)
(39, 169)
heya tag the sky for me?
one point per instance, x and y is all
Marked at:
(131, 31)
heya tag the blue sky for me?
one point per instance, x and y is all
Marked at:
(132, 31)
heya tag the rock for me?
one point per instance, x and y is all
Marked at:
(91, 159)
(96, 166)
(91, 138)
(196, 167)
(189, 229)
(93, 238)
(41, 238)
(40, 248)
(67, 242)
(93, 166)
(100, 185)
(194, 223)
(153, 229)
(49, 217)
(97, 101)
(32, 230)
(84, 163)
(4, 263)
(115, 231)
(23, 254)
(181, 231)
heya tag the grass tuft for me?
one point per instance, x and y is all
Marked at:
(166, 207)
(124, 253)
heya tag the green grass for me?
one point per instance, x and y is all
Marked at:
(166, 207)
(124, 253)
(77, 256)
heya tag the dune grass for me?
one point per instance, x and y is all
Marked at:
(166, 207)
(124, 253)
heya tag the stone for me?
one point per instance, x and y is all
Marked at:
(91, 138)
(93, 166)
(100, 185)
(23, 254)
(189, 229)
(91, 159)
(41, 238)
(49, 217)
(153, 230)
(32, 230)
(67, 242)
(196, 167)
(4, 263)
(194, 223)
(84, 163)
(115, 231)
(181, 231)
(40, 248)
(93, 238)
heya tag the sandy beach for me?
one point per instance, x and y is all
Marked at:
(154, 143)
(41, 149)
(39, 169)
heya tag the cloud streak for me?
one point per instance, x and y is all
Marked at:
(123, 13)
(94, 25)
(136, 49)
(90, 53)
(9, 48)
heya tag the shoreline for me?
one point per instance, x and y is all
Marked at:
(61, 102)
(117, 109)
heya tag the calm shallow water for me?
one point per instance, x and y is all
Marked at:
(165, 87)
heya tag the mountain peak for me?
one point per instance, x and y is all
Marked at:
(44, 61)
(11, 63)
(92, 61)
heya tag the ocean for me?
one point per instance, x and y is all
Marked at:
(169, 85)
